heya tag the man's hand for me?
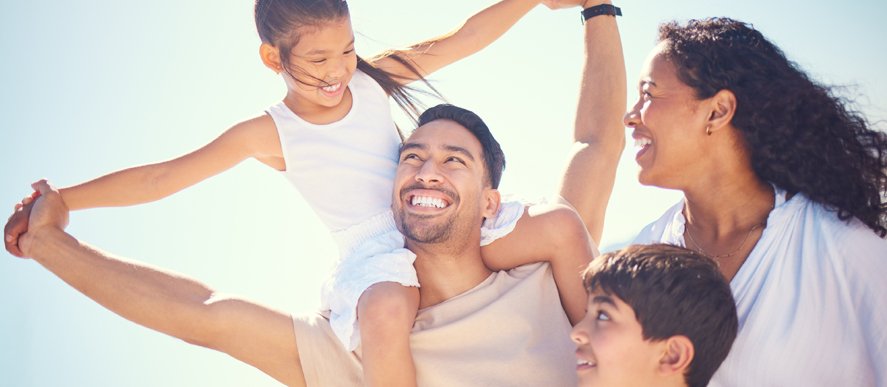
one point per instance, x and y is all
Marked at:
(48, 211)
(17, 224)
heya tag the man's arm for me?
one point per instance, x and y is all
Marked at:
(161, 300)
(599, 135)
(554, 233)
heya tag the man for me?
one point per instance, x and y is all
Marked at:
(522, 344)
(471, 321)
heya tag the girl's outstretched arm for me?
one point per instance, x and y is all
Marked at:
(473, 35)
(256, 137)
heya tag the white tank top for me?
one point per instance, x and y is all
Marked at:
(345, 170)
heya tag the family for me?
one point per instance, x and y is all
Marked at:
(767, 273)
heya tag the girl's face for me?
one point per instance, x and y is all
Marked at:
(321, 66)
(668, 124)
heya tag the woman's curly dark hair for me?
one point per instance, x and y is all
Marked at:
(801, 136)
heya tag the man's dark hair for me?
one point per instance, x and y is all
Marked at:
(494, 159)
(673, 291)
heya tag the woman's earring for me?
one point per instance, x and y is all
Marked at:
(708, 130)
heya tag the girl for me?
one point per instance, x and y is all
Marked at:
(332, 136)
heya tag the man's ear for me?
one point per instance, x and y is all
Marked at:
(678, 355)
(271, 57)
(722, 109)
(492, 199)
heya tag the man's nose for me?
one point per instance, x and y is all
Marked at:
(428, 173)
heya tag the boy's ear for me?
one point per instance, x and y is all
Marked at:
(270, 57)
(679, 353)
(492, 199)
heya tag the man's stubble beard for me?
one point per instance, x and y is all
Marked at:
(413, 229)
(435, 233)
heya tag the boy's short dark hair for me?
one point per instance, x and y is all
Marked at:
(673, 291)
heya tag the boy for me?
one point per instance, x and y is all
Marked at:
(658, 315)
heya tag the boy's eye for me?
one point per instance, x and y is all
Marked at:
(602, 316)
(349, 52)
(317, 61)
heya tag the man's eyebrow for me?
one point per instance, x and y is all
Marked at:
(412, 145)
(450, 148)
(460, 150)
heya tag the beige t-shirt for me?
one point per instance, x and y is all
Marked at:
(509, 330)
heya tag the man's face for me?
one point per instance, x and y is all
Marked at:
(440, 188)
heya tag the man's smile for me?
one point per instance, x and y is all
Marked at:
(426, 201)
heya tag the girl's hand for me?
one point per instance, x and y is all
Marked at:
(18, 224)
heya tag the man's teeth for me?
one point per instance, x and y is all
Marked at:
(332, 88)
(642, 142)
(425, 201)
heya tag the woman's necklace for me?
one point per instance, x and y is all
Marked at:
(699, 247)
(732, 253)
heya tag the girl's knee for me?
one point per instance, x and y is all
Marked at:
(388, 302)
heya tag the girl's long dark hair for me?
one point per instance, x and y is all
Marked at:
(801, 136)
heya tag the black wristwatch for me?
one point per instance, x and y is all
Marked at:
(600, 9)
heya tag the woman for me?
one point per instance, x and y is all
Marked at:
(783, 186)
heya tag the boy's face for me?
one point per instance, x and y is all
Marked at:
(611, 350)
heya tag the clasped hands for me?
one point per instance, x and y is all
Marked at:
(42, 210)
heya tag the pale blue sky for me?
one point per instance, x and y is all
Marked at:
(92, 87)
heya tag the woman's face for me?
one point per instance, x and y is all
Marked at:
(669, 126)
